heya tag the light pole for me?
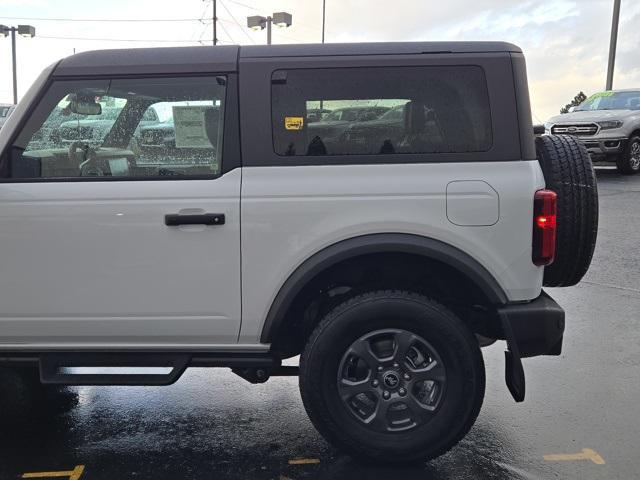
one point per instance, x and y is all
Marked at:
(279, 19)
(612, 43)
(324, 10)
(25, 31)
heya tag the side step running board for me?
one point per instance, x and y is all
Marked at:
(58, 368)
(55, 368)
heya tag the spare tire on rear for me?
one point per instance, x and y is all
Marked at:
(568, 171)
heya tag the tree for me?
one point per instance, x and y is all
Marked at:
(577, 100)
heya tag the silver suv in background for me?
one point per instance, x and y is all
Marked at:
(608, 123)
(5, 111)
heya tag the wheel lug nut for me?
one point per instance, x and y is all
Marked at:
(402, 392)
(379, 368)
(407, 376)
(395, 365)
(375, 383)
(386, 395)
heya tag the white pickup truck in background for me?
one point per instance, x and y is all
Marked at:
(608, 123)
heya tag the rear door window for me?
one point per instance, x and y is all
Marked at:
(381, 110)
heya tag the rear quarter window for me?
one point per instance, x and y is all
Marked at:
(381, 111)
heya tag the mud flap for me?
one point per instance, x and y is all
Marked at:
(514, 371)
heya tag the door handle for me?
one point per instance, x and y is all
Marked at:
(173, 219)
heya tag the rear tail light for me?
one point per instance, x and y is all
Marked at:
(544, 227)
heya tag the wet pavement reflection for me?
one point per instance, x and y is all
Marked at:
(213, 425)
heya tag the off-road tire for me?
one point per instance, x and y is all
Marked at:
(387, 309)
(625, 163)
(568, 171)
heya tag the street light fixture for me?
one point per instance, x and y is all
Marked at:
(282, 19)
(27, 31)
(279, 19)
(256, 22)
(24, 31)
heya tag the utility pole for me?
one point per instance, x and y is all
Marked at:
(215, 23)
(613, 43)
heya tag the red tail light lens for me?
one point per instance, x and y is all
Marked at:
(544, 227)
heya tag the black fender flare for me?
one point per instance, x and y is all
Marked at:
(377, 243)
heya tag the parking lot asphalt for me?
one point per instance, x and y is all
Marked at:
(581, 417)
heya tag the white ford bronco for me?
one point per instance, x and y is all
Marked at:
(229, 233)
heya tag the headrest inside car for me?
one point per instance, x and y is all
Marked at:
(414, 117)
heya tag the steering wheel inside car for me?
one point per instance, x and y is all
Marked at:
(89, 166)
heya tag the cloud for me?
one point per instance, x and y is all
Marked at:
(506, 20)
(565, 44)
(565, 41)
(20, 3)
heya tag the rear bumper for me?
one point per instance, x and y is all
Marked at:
(537, 327)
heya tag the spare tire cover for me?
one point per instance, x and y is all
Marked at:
(568, 171)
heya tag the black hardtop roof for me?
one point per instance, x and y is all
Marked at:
(378, 48)
(150, 61)
(204, 59)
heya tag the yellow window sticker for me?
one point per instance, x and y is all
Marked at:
(293, 123)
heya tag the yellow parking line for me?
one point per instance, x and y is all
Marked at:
(586, 454)
(72, 474)
(304, 461)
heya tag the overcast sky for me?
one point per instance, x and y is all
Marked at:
(565, 41)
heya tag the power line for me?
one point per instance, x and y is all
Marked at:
(224, 29)
(204, 26)
(244, 5)
(207, 21)
(149, 40)
(104, 19)
(237, 23)
(200, 40)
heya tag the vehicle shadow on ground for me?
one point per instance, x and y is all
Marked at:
(46, 433)
(41, 421)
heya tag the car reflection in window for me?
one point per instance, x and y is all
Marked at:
(333, 125)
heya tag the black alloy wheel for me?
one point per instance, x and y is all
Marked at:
(391, 380)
